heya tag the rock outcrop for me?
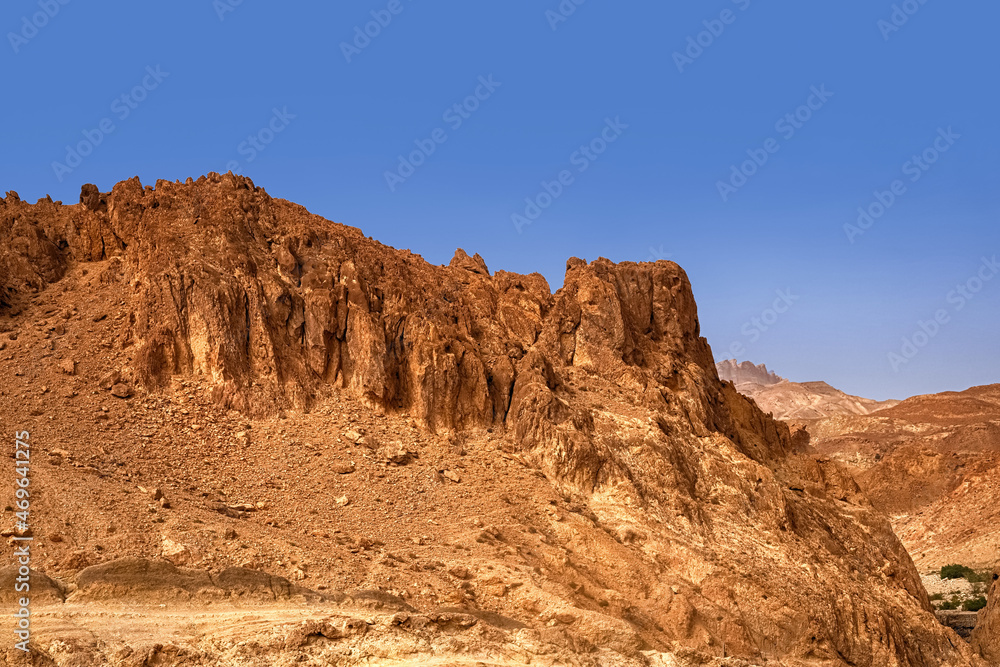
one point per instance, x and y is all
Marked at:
(700, 529)
(142, 580)
(986, 636)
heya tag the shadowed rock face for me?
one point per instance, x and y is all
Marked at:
(986, 636)
(606, 386)
(142, 579)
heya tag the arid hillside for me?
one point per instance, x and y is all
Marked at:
(261, 438)
(932, 463)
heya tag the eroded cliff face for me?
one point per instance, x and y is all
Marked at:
(986, 637)
(737, 546)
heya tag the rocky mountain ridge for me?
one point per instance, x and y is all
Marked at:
(572, 459)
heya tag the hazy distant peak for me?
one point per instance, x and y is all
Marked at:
(794, 400)
(744, 372)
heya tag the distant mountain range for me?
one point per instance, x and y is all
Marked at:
(794, 400)
(930, 462)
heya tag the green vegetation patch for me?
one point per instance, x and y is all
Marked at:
(953, 603)
(975, 604)
(957, 572)
(967, 573)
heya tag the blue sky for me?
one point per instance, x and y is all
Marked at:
(620, 103)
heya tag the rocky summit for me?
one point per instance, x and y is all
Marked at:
(261, 438)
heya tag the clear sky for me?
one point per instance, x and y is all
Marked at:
(632, 114)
